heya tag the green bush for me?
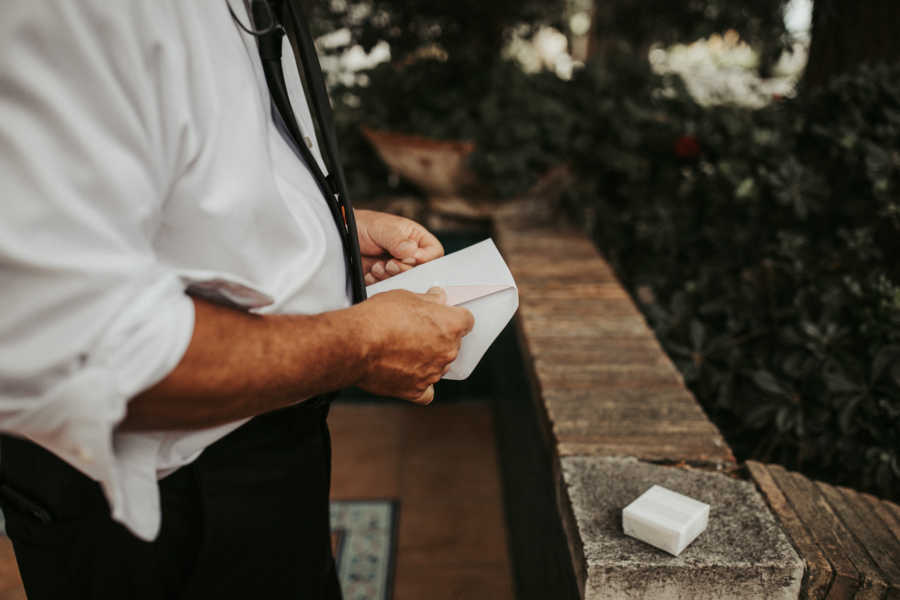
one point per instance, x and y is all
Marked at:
(763, 246)
(520, 124)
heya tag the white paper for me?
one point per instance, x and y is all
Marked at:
(476, 278)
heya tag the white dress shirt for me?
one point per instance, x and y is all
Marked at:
(138, 158)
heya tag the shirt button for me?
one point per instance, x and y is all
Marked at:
(309, 142)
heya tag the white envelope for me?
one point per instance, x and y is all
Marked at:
(476, 278)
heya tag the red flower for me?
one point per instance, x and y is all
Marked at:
(687, 146)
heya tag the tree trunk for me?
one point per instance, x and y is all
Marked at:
(847, 33)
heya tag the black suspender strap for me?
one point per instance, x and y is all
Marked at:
(333, 186)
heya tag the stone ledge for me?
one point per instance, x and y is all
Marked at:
(606, 392)
(742, 554)
(606, 386)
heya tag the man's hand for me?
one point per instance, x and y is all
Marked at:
(390, 244)
(238, 365)
(414, 339)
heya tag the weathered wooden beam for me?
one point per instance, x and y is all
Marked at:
(819, 572)
(824, 528)
(861, 541)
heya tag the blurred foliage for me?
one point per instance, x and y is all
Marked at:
(625, 23)
(674, 22)
(444, 58)
(464, 91)
(761, 244)
(470, 33)
(521, 122)
(763, 248)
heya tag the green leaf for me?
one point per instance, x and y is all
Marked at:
(800, 427)
(767, 382)
(848, 412)
(811, 330)
(793, 364)
(837, 383)
(759, 415)
(885, 357)
(698, 334)
(783, 419)
(745, 189)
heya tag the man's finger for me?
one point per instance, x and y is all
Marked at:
(405, 249)
(392, 235)
(427, 396)
(429, 248)
(392, 267)
(436, 295)
(468, 319)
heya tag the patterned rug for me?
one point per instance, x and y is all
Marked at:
(363, 536)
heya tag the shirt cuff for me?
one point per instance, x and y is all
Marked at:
(76, 418)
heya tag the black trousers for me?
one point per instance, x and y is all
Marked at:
(248, 519)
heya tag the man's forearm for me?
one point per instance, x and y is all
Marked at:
(239, 365)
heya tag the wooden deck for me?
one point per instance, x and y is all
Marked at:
(440, 463)
(849, 540)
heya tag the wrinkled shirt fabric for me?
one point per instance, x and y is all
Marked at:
(139, 160)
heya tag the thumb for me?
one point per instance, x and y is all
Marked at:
(436, 295)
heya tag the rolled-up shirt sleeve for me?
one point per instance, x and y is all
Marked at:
(91, 137)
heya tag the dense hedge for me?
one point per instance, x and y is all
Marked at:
(763, 245)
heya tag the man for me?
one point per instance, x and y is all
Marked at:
(162, 445)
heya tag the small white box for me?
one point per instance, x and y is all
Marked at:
(665, 519)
